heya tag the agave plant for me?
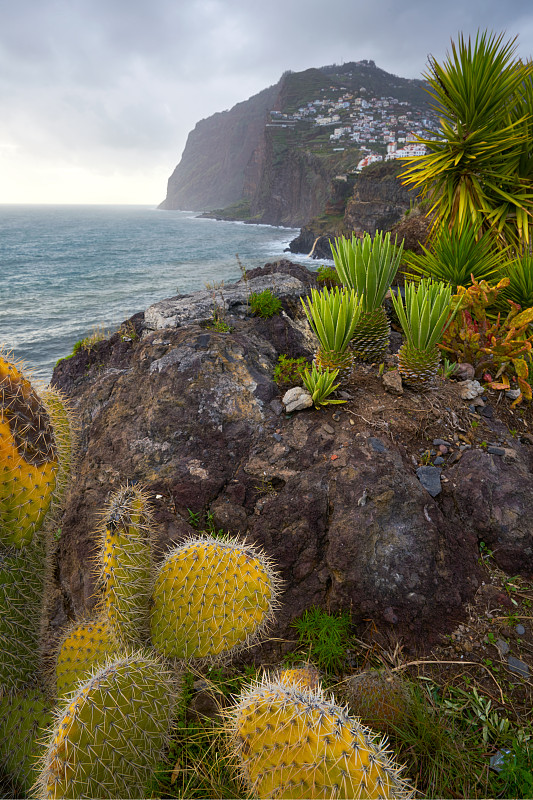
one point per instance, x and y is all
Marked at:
(333, 316)
(368, 266)
(454, 256)
(320, 383)
(423, 318)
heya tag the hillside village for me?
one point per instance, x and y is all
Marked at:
(382, 128)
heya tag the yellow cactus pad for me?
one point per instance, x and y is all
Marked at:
(85, 646)
(211, 598)
(306, 677)
(294, 743)
(108, 736)
(28, 458)
(125, 564)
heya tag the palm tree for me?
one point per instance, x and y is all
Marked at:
(479, 167)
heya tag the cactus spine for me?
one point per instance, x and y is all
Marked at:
(108, 736)
(24, 717)
(294, 743)
(125, 565)
(29, 455)
(212, 597)
(84, 647)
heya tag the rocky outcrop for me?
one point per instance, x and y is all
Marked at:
(378, 202)
(333, 496)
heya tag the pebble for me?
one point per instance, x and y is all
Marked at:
(443, 442)
(518, 667)
(520, 629)
(496, 451)
(438, 461)
(376, 444)
(336, 417)
(328, 429)
(513, 394)
(470, 389)
(486, 412)
(443, 449)
(429, 477)
(297, 399)
(502, 646)
(277, 437)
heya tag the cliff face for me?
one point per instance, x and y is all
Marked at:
(379, 199)
(287, 185)
(211, 171)
(272, 158)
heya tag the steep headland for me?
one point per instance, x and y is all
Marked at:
(272, 158)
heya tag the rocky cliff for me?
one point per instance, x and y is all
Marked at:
(378, 201)
(217, 152)
(335, 497)
(266, 160)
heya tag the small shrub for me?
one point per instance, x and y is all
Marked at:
(328, 276)
(517, 771)
(264, 304)
(288, 371)
(325, 637)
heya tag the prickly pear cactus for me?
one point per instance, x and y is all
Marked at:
(109, 735)
(22, 573)
(24, 718)
(125, 565)
(305, 677)
(294, 743)
(28, 458)
(85, 646)
(379, 697)
(211, 598)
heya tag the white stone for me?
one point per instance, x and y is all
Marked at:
(471, 389)
(297, 399)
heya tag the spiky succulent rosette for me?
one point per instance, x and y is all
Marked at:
(109, 735)
(423, 315)
(368, 266)
(333, 316)
(212, 597)
(293, 742)
(370, 339)
(24, 718)
(418, 368)
(85, 646)
(124, 565)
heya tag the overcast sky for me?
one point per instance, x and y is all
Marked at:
(97, 96)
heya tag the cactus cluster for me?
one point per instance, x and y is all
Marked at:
(116, 694)
(294, 742)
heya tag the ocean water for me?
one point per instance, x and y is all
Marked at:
(67, 270)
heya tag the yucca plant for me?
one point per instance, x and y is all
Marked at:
(333, 316)
(520, 289)
(478, 166)
(320, 383)
(423, 319)
(454, 256)
(369, 267)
